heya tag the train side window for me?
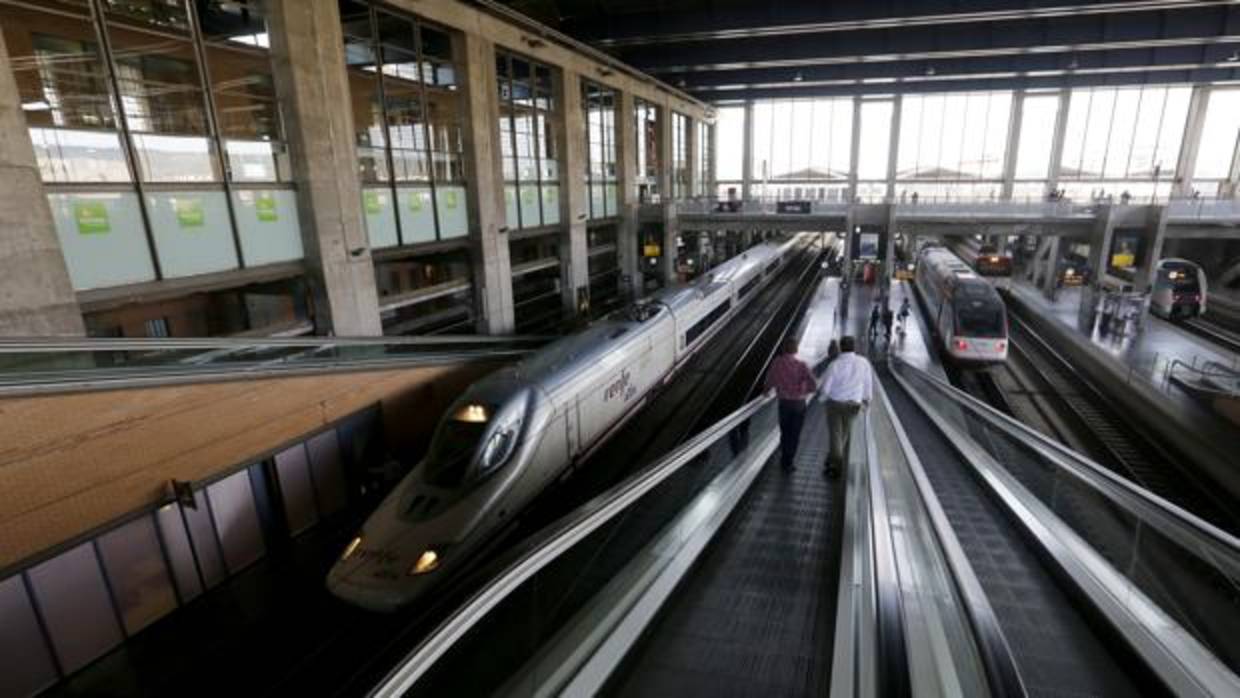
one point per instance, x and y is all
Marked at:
(700, 327)
(749, 286)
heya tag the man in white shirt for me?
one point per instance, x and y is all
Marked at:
(847, 387)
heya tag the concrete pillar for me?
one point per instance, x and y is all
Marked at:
(691, 151)
(307, 52)
(485, 197)
(1049, 266)
(667, 262)
(747, 154)
(1015, 118)
(574, 199)
(1232, 186)
(893, 146)
(1156, 236)
(626, 197)
(1057, 140)
(1191, 143)
(854, 152)
(36, 295)
(1100, 242)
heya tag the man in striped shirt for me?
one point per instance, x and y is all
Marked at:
(793, 384)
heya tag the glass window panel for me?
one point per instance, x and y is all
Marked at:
(102, 237)
(550, 203)
(841, 137)
(236, 519)
(911, 123)
(931, 135)
(417, 214)
(730, 143)
(1146, 127)
(174, 158)
(166, 15)
(192, 231)
(268, 225)
(176, 542)
(1037, 133)
(1171, 133)
(138, 575)
(75, 605)
(296, 489)
(329, 483)
(64, 94)
(453, 211)
(361, 63)
(1074, 134)
(960, 112)
(377, 205)
(998, 116)
(205, 540)
(875, 139)
(1218, 135)
(1123, 128)
(25, 663)
(1097, 132)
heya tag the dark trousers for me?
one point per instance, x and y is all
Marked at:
(791, 419)
(840, 416)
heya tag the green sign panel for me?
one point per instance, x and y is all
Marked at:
(371, 202)
(189, 213)
(91, 217)
(415, 201)
(527, 195)
(265, 209)
(450, 200)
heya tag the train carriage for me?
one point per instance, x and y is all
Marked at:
(1179, 289)
(968, 316)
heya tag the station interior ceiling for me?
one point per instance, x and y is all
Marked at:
(728, 50)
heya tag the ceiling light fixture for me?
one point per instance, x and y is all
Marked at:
(1234, 57)
(930, 70)
(798, 77)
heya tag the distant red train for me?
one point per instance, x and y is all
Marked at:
(991, 262)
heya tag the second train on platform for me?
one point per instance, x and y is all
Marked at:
(968, 316)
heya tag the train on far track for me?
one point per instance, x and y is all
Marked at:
(968, 315)
(515, 432)
(1179, 289)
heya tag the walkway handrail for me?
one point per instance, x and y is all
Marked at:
(14, 345)
(574, 528)
(1201, 372)
(1187, 529)
(1002, 674)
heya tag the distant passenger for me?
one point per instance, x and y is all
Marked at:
(905, 309)
(876, 317)
(847, 387)
(888, 319)
(794, 384)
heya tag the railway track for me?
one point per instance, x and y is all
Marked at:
(1218, 334)
(1109, 437)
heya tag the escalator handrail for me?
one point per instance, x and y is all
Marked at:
(1002, 673)
(573, 529)
(31, 345)
(893, 671)
(1188, 529)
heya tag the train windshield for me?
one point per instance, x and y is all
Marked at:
(978, 312)
(454, 445)
(1181, 278)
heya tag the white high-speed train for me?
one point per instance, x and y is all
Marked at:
(516, 431)
(965, 310)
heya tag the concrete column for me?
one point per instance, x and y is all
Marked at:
(1050, 266)
(1156, 236)
(1100, 242)
(1061, 128)
(626, 196)
(893, 146)
(1191, 143)
(574, 201)
(1232, 186)
(36, 295)
(747, 154)
(1013, 144)
(854, 151)
(485, 197)
(667, 263)
(307, 52)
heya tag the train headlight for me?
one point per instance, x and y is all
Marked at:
(1069, 272)
(428, 561)
(351, 548)
(499, 447)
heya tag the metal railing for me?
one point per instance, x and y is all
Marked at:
(1166, 579)
(58, 364)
